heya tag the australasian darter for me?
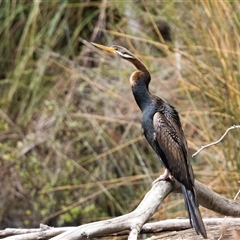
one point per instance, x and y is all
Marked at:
(163, 130)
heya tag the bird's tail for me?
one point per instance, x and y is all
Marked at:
(193, 211)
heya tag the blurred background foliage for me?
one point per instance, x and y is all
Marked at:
(71, 148)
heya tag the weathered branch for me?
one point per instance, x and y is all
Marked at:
(213, 201)
(134, 222)
(170, 225)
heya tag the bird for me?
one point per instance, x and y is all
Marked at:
(162, 128)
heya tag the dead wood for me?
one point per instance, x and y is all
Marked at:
(134, 222)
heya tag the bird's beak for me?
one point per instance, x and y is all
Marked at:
(108, 49)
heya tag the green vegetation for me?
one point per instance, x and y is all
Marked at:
(71, 149)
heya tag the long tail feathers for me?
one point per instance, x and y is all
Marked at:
(193, 211)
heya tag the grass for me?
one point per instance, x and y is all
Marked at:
(71, 145)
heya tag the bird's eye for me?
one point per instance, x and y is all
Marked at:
(124, 54)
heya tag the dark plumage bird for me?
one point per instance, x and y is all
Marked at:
(162, 129)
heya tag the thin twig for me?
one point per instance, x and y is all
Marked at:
(220, 139)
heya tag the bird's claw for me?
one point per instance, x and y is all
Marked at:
(166, 176)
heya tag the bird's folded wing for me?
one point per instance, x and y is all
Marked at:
(170, 138)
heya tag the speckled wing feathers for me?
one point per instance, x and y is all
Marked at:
(171, 141)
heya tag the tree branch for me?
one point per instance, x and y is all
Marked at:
(169, 225)
(213, 201)
(134, 222)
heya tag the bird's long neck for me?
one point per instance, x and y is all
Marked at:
(140, 80)
(141, 94)
(138, 64)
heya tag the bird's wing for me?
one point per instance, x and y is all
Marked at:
(170, 138)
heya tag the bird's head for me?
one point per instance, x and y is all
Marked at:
(142, 71)
(118, 50)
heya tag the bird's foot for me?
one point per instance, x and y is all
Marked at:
(166, 176)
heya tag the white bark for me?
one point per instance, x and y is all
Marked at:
(134, 222)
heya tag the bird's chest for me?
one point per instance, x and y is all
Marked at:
(147, 126)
